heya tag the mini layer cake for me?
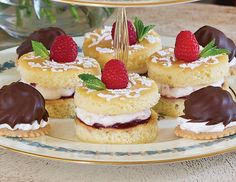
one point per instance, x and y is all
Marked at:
(118, 116)
(56, 80)
(22, 111)
(99, 45)
(177, 78)
(209, 113)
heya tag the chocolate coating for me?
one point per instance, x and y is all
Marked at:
(210, 104)
(207, 33)
(45, 35)
(21, 104)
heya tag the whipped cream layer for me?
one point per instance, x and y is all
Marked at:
(178, 92)
(202, 127)
(26, 127)
(52, 93)
(109, 120)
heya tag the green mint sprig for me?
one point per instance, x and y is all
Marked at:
(40, 50)
(212, 50)
(92, 82)
(142, 30)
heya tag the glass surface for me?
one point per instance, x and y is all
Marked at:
(20, 18)
(125, 3)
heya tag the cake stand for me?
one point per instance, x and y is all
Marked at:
(121, 45)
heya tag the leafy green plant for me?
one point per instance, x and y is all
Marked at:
(46, 9)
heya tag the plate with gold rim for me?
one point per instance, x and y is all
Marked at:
(62, 144)
(125, 3)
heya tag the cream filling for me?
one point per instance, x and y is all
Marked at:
(109, 120)
(25, 127)
(172, 92)
(53, 93)
(202, 127)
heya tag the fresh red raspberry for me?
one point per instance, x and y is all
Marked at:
(131, 31)
(64, 49)
(115, 75)
(186, 47)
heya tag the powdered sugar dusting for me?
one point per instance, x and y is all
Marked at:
(31, 56)
(53, 66)
(105, 35)
(195, 64)
(104, 50)
(166, 57)
(135, 93)
(152, 39)
(87, 62)
(134, 77)
(131, 91)
(166, 61)
(109, 50)
(137, 46)
(162, 52)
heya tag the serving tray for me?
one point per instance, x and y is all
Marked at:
(62, 144)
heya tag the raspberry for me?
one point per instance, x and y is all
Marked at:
(115, 75)
(186, 47)
(64, 49)
(131, 31)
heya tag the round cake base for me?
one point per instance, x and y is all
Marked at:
(143, 133)
(170, 107)
(60, 108)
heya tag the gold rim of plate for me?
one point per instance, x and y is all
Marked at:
(125, 4)
(232, 149)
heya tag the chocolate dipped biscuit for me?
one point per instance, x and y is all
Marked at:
(21, 104)
(212, 105)
(45, 35)
(210, 113)
(206, 34)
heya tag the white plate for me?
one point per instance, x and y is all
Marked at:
(62, 143)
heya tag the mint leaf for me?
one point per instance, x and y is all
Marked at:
(142, 30)
(40, 50)
(92, 82)
(212, 50)
(139, 26)
(86, 77)
(209, 46)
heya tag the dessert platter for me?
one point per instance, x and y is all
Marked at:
(159, 100)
